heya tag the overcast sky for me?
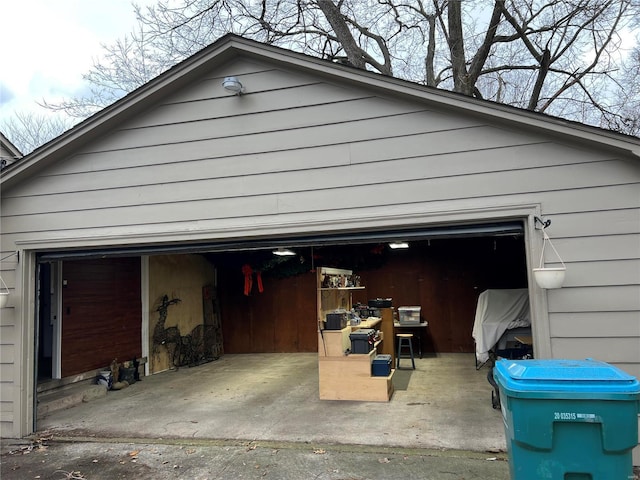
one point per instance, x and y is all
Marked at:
(46, 46)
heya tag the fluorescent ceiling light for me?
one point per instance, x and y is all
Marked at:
(284, 252)
(395, 245)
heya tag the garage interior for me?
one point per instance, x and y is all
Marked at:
(269, 328)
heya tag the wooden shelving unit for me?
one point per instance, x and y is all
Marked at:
(346, 376)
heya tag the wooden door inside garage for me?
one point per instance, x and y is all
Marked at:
(101, 313)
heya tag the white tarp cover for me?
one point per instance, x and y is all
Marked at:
(497, 311)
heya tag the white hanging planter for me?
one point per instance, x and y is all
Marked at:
(4, 294)
(549, 277)
(4, 298)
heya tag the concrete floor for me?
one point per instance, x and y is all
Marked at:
(444, 404)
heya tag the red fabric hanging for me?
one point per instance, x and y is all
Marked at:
(259, 278)
(248, 279)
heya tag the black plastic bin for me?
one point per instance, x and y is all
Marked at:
(362, 340)
(335, 321)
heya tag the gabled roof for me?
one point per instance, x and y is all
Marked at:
(231, 46)
(8, 152)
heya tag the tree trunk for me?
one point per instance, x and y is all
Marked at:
(456, 47)
(341, 29)
(480, 58)
(545, 62)
(431, 52)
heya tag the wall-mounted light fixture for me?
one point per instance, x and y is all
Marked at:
(4, 291)
(397, 245)
(233, 85)
(284, 252)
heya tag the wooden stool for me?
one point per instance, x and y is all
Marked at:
(405, 340)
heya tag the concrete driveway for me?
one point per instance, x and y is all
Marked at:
(259, 417)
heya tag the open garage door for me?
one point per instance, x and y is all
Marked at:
(512, 228)
(444, 270)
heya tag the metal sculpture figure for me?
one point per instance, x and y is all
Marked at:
(169, 337)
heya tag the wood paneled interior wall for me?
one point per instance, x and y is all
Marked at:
(281, 319)
(444, 277)
(101, 313)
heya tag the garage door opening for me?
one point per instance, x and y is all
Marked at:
(444, 275)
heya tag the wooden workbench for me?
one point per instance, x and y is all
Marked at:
(345, 376)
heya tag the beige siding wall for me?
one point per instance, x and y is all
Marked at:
(10, 377)
(300, 154)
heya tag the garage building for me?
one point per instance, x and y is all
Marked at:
(177, 187)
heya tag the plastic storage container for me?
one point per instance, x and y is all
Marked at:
(568, 419)
(336, 321)
(409, 315)
(362, 340)
(381, 303)
(381, 365)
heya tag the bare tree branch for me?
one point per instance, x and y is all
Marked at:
(543, 55)
(28, 130)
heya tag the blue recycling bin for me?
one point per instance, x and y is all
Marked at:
(568, 419)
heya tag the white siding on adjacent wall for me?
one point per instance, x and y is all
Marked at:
(9, 342)
(298, 154)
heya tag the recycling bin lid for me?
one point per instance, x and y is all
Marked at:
(564, 376)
